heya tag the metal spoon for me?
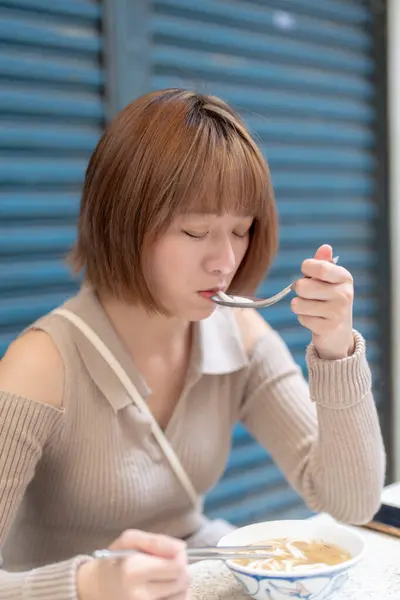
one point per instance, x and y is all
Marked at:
(208, 553)
(251, 302)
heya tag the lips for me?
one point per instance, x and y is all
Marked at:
(209, 293)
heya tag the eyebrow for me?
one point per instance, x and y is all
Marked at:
(197, 214)
(208, 214)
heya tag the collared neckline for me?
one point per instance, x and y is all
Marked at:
(217, 348)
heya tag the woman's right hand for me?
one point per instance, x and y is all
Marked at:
(158, 571)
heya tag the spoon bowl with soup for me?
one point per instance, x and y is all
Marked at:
(310, 560)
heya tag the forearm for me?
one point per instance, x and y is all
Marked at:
(328, 446)
(345, 467)
(51, 582)
(348, 455)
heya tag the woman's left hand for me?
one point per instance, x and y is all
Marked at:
(324, 304)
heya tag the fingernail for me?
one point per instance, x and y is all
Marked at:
(335, 260)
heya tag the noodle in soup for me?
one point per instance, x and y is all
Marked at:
(292, 554)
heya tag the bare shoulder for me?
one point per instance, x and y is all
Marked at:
(251, 326)
(33, 368)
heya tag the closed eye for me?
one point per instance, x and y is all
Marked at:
(196, 236)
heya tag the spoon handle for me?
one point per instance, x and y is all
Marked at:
(246, 302)
(215, 553)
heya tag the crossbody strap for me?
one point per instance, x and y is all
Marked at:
(108, 356)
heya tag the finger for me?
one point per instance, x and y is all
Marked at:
(150, 543)
(169, 589)
(325, 271)
(313, 289)
(312, 308)
(324, 252)
(316, 325)
(143, 567)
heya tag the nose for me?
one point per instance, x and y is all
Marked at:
(222, 258)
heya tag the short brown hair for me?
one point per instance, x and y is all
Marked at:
(167, 153)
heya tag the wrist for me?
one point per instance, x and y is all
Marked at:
(337, 352)
(339, 383)
(84, 581)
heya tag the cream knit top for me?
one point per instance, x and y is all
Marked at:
(72, 479)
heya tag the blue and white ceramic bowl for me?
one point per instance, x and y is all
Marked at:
(315, 584)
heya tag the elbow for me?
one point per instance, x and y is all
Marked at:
(360, 515)
(357, 506)
(354, 512)
(366, 499)
(352, 496)
(363, 496)
(360, 507)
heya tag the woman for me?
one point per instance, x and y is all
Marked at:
(177, 203)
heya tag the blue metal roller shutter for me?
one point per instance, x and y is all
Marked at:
(51, 116)
(299, 71)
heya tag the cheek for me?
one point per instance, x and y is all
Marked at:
(179, 261)
(171, 262)
(240, 250)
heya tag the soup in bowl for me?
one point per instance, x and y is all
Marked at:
(308, 559)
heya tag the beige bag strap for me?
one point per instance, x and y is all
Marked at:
(136, 397)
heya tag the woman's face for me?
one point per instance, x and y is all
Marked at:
(199, 253)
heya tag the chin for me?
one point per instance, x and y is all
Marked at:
(199, 314)
(205, 314)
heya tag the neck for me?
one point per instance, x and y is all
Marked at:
(144, 332)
